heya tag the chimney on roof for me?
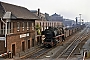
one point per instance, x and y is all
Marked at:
(38, 12)
(76, 20)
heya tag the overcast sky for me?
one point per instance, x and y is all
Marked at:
(67, 8)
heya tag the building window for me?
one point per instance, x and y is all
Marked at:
(12, 27)
(43, 25)
(32, 26)
(27, 25)
(48, 24)
(23, 26)
(52, 24)
(8, 27)
(18, 26)
(2, 28)
(40, 26)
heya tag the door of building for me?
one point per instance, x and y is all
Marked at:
(37, 40)
(13, 49)
(32, 42)
(28, 44)
(23, 46)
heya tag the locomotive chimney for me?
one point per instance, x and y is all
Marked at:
(38, 12)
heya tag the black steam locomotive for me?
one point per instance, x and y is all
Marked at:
(50, 36)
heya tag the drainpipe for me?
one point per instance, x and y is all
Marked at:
(5, 30)
(5, 33)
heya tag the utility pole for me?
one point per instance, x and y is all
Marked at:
(76, 20)
(80, 18)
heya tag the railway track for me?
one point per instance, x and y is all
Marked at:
(40, 52)
(31, 53)
(37, 53)
(69, 50)
(63, 42)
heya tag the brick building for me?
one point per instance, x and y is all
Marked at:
(17, 31)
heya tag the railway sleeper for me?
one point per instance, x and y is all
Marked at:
(63, 56)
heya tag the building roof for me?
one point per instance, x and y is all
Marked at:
(16, 11)
(55, 14)
(34, 11)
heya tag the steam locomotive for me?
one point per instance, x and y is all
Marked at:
(51, 35)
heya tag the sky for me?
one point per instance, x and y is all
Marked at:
(69, 9)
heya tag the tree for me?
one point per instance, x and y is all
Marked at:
(37, 27)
